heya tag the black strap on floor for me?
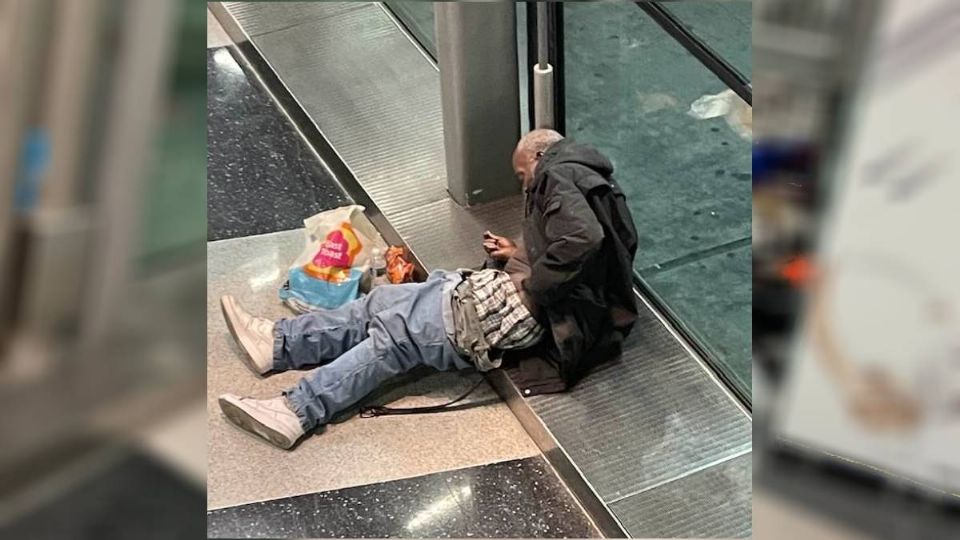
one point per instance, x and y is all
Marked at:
(377, 410)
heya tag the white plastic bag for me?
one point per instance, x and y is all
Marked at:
(738, 114)
(336, 254)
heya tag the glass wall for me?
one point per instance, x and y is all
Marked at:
(179, 146)
(681, 145)
(417, 17)
(720, 25)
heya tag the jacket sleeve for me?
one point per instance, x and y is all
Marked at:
(572, 235)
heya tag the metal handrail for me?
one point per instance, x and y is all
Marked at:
(707, 56)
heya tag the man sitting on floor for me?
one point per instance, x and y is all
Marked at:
(581, 241)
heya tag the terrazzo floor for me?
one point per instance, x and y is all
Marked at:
(261, 176)
(509, 499)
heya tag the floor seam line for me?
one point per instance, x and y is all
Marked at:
(686, 474)
(358, 7)
(441, 471)
(695, 256)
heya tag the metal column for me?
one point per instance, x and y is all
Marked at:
(543, 74)
(479, 84)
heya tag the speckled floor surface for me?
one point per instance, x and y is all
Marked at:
(261, 175)
(512, 499)
(356, 451)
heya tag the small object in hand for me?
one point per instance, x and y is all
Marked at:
(398, 269)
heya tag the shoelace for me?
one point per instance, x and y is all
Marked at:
(378, 410)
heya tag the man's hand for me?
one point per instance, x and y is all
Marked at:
(497, 247)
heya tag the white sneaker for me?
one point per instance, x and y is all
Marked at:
(254, 334)
(270, 419)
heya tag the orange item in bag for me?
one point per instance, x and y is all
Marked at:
(398, 269)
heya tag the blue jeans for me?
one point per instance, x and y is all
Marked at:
(364, 343)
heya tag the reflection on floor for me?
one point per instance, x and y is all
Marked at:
(510, 499)
(629, 87)
(261, 176)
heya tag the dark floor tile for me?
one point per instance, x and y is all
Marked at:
(712, 503)
(520, 498)
(134, 498)
(261, 175)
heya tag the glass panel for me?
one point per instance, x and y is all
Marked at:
(631, 91)
(418, 18)
(170, 226)
(722, 25)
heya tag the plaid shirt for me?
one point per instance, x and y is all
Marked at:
(506, 322)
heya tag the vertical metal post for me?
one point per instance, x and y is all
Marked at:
(543, 74)
(479, 84)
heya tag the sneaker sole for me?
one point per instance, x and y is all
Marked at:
(247, 357)
(250, 425)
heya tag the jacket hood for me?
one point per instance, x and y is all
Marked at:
(569, 151)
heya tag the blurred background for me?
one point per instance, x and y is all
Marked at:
(102, 268)
(856, 363)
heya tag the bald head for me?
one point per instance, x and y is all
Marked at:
(538, 140)
(529, 150)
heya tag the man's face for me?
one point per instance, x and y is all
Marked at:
(524, 163)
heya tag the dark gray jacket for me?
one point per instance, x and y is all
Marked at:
(581, 240)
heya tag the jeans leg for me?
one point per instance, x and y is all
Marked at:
(398, 340)
(321, 336)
